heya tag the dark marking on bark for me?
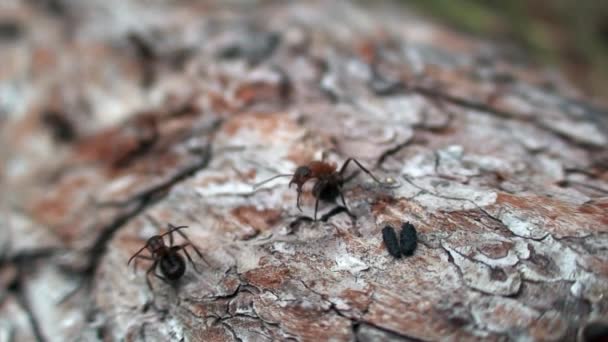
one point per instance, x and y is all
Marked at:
(17, 288)
(61, 127)
(10, 30)
(408, 239)
(391, 242)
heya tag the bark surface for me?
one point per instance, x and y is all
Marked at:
(119, 117)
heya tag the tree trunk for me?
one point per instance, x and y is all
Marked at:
(119, 117)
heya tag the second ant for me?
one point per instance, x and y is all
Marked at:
(167, 258)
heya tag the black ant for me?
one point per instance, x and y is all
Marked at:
(329, 181)
(172, 264)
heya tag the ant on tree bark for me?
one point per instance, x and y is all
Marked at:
(329, 182)
(167, 258)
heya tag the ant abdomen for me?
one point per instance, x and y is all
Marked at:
(173, 266)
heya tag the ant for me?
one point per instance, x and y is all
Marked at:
(329, 182)
(172, 264)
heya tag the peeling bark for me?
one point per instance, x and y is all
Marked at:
(114, 125)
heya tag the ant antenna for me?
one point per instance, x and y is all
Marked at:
(172, 229)
(257, 185)
(134, 255)
(369, 173)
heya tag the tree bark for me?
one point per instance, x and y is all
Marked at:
(119, 117)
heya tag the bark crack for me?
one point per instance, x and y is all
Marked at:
(139, 203)
(484, 108)
(22, 301)
(356, 322)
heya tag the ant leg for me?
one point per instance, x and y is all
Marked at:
(298, 200)
(344, 203)
(352, 176)
(316, 208)
(183, 248)
(161, 277)
(150, 270)
(182, 234)
(298, 220)
(171, 239)
(360, 166)
(333, 212)
(192, 262)
(145, 257)
(342, 198)
(196, 250)
(189, 243)
(173, 229)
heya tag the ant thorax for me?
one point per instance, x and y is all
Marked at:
(320, 168)
(156, 245)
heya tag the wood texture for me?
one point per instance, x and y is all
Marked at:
(119, 117)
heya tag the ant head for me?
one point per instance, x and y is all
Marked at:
(155, 243)
(301, 176)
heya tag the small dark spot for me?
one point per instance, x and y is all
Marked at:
(101, 334)
(383, 87)
(450, 258)
(10, 30)
(54, 7)
(503, 78)
(355, 327)
(408, 239)
(285, 86)
(596, 332)
(62, 129)
(498, 274)
(14, 286)
(459, 315)
(540, 260)
(459, 321)
(142, 47)
(179, 57)
(147, 55)
(257, 47)
(390, 241)
(147, 136)
(230, 52)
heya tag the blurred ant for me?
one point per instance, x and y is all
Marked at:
(172, 264)
(329, 182)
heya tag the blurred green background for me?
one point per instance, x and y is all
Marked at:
(572, 35)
